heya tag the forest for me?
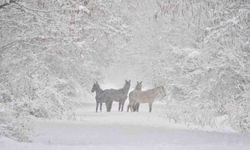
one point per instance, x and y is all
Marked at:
(52, 51)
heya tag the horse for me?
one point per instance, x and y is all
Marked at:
(109, 95)
(117, 95)
(148, 96)
(96, 88)
(132, 105)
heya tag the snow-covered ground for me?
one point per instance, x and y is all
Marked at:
(122, 130)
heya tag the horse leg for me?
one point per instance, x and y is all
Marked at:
(133, 107)
(107, 106)
(110, 105)
(101, 107)
(119, 108)
(96, 109)
(150, 107)
(128, 107)
(137, 107)
(122, 106)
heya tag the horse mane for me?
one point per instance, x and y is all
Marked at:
(99, 88)
(124, 89)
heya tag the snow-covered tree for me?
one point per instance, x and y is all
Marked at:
(52, 51)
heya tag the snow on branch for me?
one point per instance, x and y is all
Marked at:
(8, 2)
(80, 8)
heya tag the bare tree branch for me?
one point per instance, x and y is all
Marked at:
(7, 3)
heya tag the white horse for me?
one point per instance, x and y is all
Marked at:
(148, 96)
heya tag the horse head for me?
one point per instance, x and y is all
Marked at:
(95, 87)
(138, 85)
(127, 84)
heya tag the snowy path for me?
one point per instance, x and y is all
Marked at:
(122, 130)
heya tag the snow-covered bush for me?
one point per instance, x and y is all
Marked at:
(14, 124)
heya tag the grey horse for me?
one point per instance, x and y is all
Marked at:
(96, 88)
(117, 95)
(109, 95)
(132, 95)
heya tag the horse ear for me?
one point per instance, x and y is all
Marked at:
(141, 82)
